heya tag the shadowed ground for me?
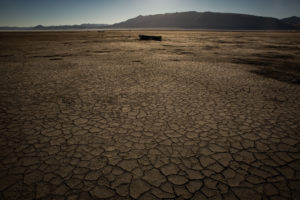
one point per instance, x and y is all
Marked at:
(200, 115)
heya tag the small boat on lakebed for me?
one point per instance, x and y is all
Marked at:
(150, 37)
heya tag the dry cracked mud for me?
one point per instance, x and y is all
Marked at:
(102, 115)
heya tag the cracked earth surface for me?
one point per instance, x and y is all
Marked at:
(101, 115)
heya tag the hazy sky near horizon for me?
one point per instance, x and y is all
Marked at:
(60, 12)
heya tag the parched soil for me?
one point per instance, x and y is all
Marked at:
(102, 115)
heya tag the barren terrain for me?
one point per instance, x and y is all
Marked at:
(100, 114)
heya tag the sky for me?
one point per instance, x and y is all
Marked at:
(62, 12)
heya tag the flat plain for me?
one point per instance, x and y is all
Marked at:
(102, 115)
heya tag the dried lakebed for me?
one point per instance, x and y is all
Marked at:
(102, 115)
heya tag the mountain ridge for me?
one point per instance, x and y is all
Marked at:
(57, 27)
(294, 20)
(187, 20)
(206, 20)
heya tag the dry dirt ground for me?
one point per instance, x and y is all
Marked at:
(100, 114)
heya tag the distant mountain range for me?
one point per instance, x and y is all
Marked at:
(187, 20)
(208, 20)
(294, 21)
(62, 27)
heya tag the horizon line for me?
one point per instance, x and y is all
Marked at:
(104, 24)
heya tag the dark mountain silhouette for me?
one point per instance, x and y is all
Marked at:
(62, 27)
(187, 20)
(295, 21)
(205, 20)
(7, 28)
